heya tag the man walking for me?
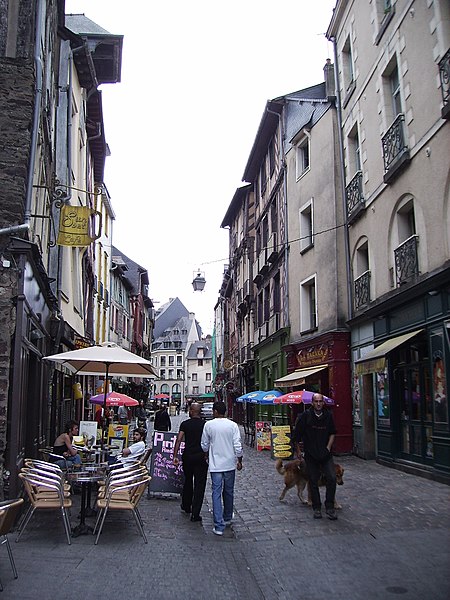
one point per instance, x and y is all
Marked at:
(315, 428)
(221, 440)
(195, 467)
(162, 420)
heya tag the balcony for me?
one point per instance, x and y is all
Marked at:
(395, 150)
(406, 260)
(362, 290)
(354, 197)
(444, 74)
(272, 247)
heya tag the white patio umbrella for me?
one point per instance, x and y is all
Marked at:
(107, 359)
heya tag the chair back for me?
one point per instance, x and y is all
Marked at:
(33, 483)
(8, 514)
(145, 457)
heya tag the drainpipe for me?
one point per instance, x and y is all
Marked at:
(342, 174)
(37, 110)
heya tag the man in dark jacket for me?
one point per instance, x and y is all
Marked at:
(162, 420)
(315, 428)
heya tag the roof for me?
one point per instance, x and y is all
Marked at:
(135, 274)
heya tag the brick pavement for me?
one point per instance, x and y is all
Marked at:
(391, 541)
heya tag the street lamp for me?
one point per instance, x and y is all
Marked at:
(199, 281)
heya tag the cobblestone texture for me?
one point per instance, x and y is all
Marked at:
(391, 540)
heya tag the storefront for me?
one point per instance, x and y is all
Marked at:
(401, 403)
(323, 365)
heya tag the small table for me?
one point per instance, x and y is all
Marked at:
(85, 478)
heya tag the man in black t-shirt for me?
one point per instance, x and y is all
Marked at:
(195, 466)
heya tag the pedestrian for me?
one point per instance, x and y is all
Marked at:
(162, 420)
(195, 467)
(316, 429)
(221, 440)
(141, 415)
(122, 414)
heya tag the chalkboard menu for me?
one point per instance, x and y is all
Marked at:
(166, 477)
(281, 441)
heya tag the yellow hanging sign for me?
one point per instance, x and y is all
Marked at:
(75, 226)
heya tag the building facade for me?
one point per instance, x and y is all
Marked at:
(393, 65)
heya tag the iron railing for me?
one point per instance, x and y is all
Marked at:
(362, 290)
(407, 260)
(393, 142)
(354, 193)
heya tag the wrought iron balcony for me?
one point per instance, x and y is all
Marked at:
(444, 73)
(362, 289)
(406, 260)
(354, 194)
(395, 149)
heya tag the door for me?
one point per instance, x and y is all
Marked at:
(414, 387)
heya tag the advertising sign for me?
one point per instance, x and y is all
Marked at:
(263, 435)
(281, 442)
(117, 431)
(166, 477)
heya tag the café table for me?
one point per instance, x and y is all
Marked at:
(85, 477)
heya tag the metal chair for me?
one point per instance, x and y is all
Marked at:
(35, 486)
(8, 513)
(122, 495)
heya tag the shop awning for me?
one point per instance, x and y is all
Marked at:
(298, 377)
(375, 360)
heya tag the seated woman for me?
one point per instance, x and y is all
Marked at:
(63, 447)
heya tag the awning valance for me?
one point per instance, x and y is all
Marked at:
(375, 360)
(298, 376)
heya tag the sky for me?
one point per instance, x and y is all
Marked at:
(180, 125)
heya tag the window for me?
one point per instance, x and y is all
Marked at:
(195, 389)
(354, 152)
(165, 389)
(308, 304)
(392, 91)
(207, 389)
(194, 376)
(395, 92)
(200, 362)
(272, 156)
(302, 157)
(179, 374)
(179, 360)
(406, 222)
(208, 376)
(171, 373)
(171, 361)
(263, 177)
(162, 373)
(163, 361)
(267, 303)
(347, 67)
(306, 226)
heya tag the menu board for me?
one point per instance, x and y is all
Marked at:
(118, 432)
(262, 430)
(166, 477)
(281, 441)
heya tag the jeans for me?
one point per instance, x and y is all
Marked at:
(315, 470)
(195, 474)
(64, 462)
(222, 489)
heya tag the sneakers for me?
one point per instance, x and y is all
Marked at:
(317, 513)
(217, 531)
(196, 519)
(331, 514)
(228, 523)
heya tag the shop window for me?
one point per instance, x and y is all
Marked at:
(382, 398)
(440, 403)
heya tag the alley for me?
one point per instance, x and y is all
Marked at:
(391, 540)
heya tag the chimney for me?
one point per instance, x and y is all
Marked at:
(328, 72)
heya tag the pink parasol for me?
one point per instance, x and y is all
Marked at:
(300, 396)
(161, 396)
(114, 399)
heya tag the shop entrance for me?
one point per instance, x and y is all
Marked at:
(416, 416)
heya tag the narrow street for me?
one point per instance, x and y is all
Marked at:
(391, 541)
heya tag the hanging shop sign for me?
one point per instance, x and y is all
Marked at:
(76, 224)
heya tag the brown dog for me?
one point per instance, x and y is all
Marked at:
(295, 473)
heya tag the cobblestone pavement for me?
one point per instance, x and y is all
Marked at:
(391, 540)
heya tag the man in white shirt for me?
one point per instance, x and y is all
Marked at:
(136, 450)
(221, 442)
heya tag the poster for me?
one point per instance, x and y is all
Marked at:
(281, 441)
(166, 477)
(88, 429)
(117, 445)
(116, 431)
(263, 435)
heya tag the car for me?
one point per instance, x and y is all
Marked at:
(207, 410)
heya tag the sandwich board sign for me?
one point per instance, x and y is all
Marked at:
(166, 477)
